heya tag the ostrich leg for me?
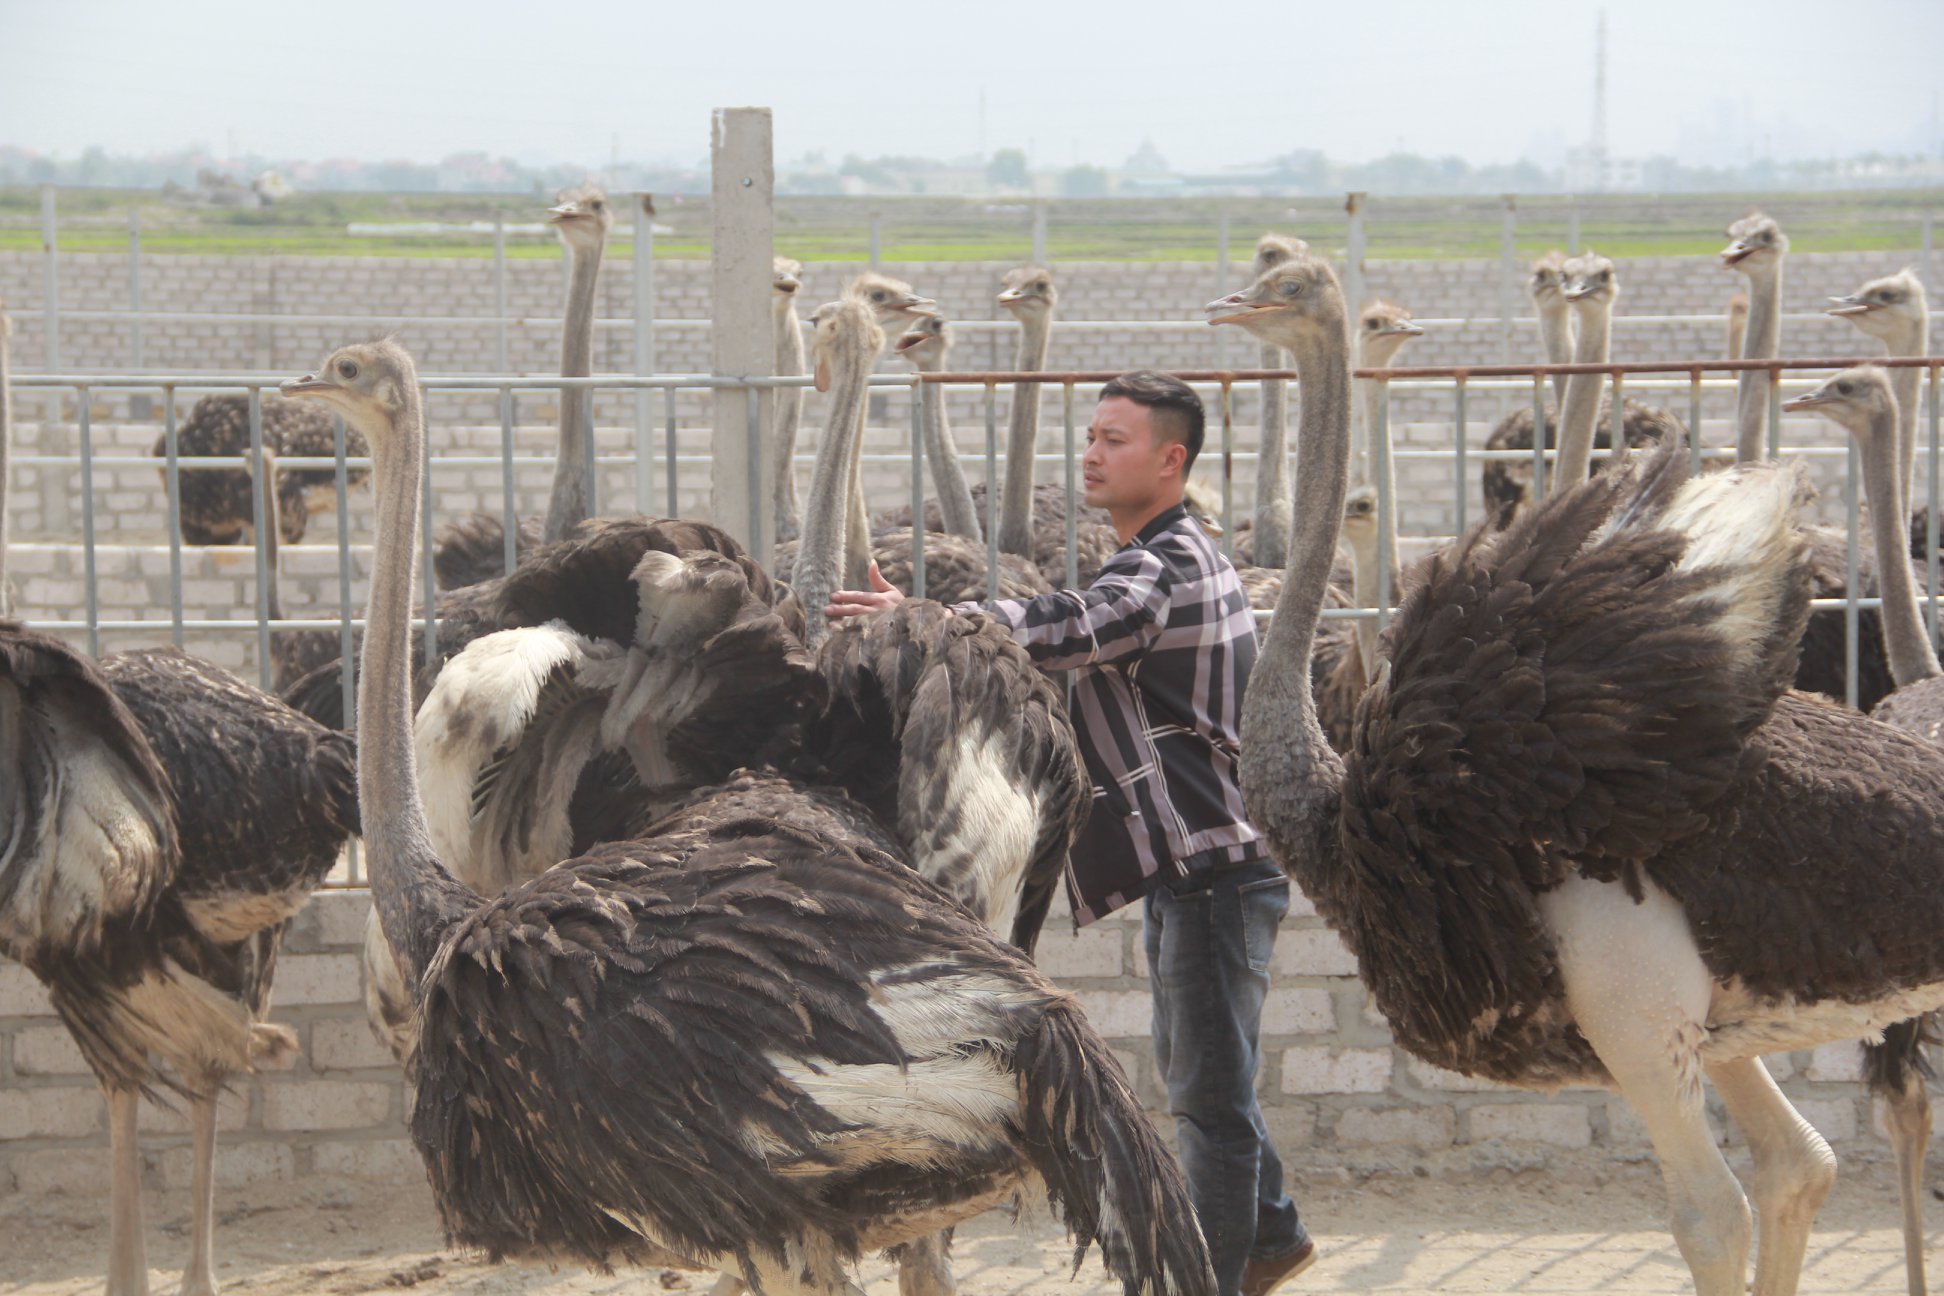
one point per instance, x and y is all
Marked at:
(922, 1269)
(1907, 1114)
(127, 1261)
(198, 1276)
(1639, 993)
(1794, 1169)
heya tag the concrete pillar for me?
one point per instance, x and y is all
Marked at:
(744, 167)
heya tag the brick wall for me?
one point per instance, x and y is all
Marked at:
(1334, 1087)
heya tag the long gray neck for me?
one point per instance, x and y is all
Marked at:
(1582, 407)
(1761, 342)
(1556, 336)
(1364, 590)
(1906, 383)
(6, 449)
(417, 899)
(789, 417)
(572, 501)
(955, 507)
(1022, 437)
(1904, 638)
(1272, 501)
(1290, 775)
(820, 557)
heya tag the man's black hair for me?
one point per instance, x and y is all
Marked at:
(1178, 413)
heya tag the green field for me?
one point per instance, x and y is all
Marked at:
(940, 229)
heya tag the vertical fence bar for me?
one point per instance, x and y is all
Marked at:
(760, 539)
(1853, 576)
(428, 582)
(1929, 275)
(1508, 277)
(260, 484)
(1931, 522)
(348, 695)
(1221, 282)
(135, 288)
(509, 521)
(1462, 478)
(1694, 420)
(1072, 495)
(172, 478)
(918, 486)
(674, 503)
(1039, 233)
(1617, 429)
(992, 490)
(1353, 253)
(50, 283)
(1380, 468)
(500, 360)
(1538, 438)
(88, 522)
(1775, 414)
(644, 350)
(1228, 470)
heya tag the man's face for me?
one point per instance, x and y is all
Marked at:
(1126, 465)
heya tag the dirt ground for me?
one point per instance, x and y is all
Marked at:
(1583, 1224)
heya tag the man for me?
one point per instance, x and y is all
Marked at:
(1161, 645)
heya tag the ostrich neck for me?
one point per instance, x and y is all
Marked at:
(956, 510)
(820, 556)
(1904, 638)
(1272, 466)
(1582, 405)
(1022, 437)
(789, 418)
(572, 501)
(1760, 342)
(1291, 778)
(1364, 590)
(272, 538)
(1905, 384)
(417, 899)
(1556, 336)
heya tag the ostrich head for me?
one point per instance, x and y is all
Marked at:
(891, 300)
(926, 341)
(1756, 245)
(582, 216)
(1855, 399)
(1887, 307)
(784, 282)
(1548, 286)
(1028, 292)
(1288, 305)
(368, 383)
(1360, 518)
(1591, 282)
(1382, 330)
(1272, 250)
(844, 332)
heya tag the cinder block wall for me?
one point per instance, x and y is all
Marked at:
(1335, 1089)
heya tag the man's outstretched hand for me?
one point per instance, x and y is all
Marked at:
(849, 603)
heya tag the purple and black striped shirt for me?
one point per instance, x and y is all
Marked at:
(1161, 645)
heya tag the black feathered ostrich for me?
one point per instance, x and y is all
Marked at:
(160, 823)
(1584, 833)
(753, 1037)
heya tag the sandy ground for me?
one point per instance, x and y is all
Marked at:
(1583, 1224)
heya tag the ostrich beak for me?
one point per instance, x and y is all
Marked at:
(1402, 328)
(788, 283)
(1809, 400)
(918, 306)
(1735, 253)
(309, 385)
(1227, 310)
(907, 341)
(1848, 306)
(565, 212)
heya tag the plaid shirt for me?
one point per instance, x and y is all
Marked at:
(1161, 645)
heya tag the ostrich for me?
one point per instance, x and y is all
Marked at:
(1341, 674)
(1268, 537)
(1894, 310)
(472, 549)
(160, 823)
(1548, 290)
(6, 439)
(1757, 247)
(1590, 289)
(1864, 402)
(1737, 324)
(216, 503)
(1029, 297)
(1584, 834)
(293, 653)
(1506, 484)
(925, 345)
(1383, 329)
(788, 408)
(877, 1066)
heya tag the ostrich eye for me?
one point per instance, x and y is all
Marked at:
(1842, 389)
(347, 370)
(1289, 287)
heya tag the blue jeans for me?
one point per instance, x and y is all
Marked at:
(1209, 940)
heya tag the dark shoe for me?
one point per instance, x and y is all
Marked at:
(1263, 1274)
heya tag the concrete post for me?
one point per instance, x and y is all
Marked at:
(1039, 233)
(51, 286)
(741, 156)
(1508, 275)
(1353, 254)
(644, 346)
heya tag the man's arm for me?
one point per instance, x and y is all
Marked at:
(1114, 618)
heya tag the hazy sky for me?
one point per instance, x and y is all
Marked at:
(1211, 84)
